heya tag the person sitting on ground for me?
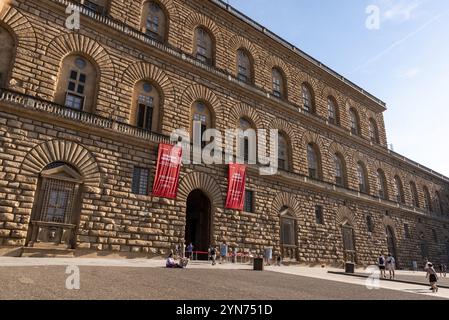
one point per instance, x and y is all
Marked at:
(173, 265)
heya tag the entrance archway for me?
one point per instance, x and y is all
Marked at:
(198, 221)
(289, 234)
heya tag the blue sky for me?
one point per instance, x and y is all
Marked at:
(405, 62)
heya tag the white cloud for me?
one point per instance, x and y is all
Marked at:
(399, 10)
(410, 73)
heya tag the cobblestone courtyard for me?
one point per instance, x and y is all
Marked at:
(145, 279)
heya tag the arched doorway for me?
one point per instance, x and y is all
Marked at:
(348, 243)
(198, 221)
(391, 243)
(56, 208)
(288, 236)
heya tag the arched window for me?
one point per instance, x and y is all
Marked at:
(399, 190)
(283, 157)
(333, 112)
(96, 6)
(340, 170)
(314, 161)
(414, 193)
(427, 199)
(382, 185)
(244, 66)
(202, 117)
(204, 46)
(369, 223)
(362, 175)
(154, 21)
(307, 99)
(373, 131)
(247, 145)
(7, 51)
(278, 83)
(354, 122)
(77, 85)
(147, 102)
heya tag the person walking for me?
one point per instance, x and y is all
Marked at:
(223, 252)
(190, 251)
(381, 264)
(213, 255)
(391, 266)
(433, 277)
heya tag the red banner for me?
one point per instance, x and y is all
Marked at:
(236, 187)
(167, 172)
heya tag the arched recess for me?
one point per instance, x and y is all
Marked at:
(172, 15)
(346, 222)
(21, 36)
(287, 208)
(142, 71)
(389, 222)
(205, 183)
(284, 199)
(20, 26)
(238, 42)
(315, 139)
(336, 147)
(194, 20)
(345, 216)
(241, 110)
(200, 93)
(62, 151)
(74, 43)
(284, 126)
(275, 62)
(391, 237)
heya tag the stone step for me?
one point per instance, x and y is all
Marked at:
(32, 252)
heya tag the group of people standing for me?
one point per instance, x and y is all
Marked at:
(389, 264)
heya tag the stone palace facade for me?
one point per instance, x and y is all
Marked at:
(82, 112)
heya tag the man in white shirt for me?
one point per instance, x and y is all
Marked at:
(391, 265)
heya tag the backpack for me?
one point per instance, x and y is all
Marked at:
(381, 261)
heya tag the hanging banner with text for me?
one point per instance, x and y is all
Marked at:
(236, 188)
(167, 172)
